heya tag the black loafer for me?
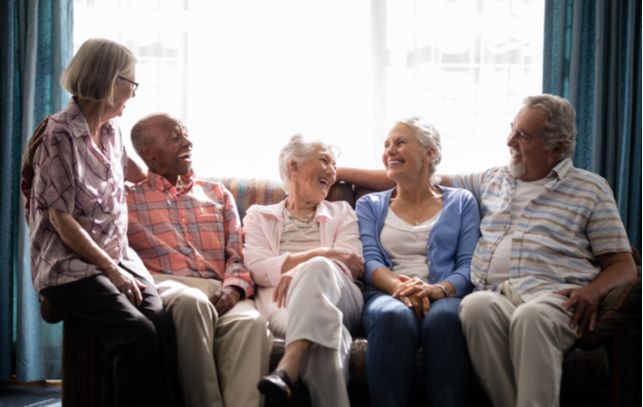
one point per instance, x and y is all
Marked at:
(276, 386)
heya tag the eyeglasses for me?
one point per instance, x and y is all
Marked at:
(130, 81)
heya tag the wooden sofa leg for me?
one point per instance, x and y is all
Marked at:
(625, 369)
(87, 371)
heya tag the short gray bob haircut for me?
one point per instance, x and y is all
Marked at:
(560, 127)
(428, 137)
(298, 150)
(91, 73)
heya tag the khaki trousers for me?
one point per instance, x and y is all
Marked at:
(221, 358)
(322, 304)
(517, 347)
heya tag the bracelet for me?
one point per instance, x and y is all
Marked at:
(444, 289)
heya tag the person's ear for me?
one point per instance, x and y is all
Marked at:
(559, 148)
(557, 152)
(429, 156)
(293, 168)
(146, 154)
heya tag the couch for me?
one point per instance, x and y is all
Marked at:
(604, 368)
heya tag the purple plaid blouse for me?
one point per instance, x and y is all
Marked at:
(74, 175)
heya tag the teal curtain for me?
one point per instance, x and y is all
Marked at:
(593, 57)
(36, 44)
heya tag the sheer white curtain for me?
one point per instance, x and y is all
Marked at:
(245, 75)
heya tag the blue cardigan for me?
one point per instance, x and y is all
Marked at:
(451, 242)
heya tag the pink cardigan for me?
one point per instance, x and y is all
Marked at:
(263, 225)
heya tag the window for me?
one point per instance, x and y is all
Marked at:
(245, 75)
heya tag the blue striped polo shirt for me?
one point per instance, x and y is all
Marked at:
(556, 241)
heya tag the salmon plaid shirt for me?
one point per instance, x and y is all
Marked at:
(191, 230)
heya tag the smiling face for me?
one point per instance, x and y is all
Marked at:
(530, 160)
(168, 151)
(311, 179)
(405, 158)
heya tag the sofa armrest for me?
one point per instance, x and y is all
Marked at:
(619, 310)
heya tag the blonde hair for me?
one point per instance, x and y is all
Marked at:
(91, 73)
(428, 137)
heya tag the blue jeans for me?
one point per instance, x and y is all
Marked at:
(394, 335)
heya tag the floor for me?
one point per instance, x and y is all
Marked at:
(30, 396)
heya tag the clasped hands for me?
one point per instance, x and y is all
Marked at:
(416, 294)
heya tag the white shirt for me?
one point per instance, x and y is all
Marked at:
(407, 245)
(500, 260)
(298, 235)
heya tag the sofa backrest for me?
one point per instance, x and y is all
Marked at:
(250, 191)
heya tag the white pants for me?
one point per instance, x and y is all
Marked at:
(517, 348)
(322, 305)
(220, 358)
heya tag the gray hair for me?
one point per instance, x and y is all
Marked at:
(91, 73)
(144, 129)
(428, 137)
(560, 127)
(298, 150)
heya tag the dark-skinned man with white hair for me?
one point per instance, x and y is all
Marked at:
(188, 233)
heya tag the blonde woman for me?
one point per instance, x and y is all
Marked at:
(418, 242)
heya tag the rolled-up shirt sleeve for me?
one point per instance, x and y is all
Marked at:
(470, 182)
(236, 273)
(54, 180)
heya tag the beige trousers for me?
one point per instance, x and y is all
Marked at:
(322, 304)
(517, 347)
(221, 358)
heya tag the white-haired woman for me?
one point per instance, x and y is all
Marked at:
(81, 260)
(304, 254)
(418, 242)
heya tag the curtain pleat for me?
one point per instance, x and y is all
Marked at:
(592, 56)
(8, 104)
(36, 46)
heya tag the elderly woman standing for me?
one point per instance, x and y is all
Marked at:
(418, 241)
(304, 254)
(81, 261)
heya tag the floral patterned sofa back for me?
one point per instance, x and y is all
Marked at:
(250, 191)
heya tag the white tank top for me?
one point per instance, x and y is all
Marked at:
(500, 260)
(407, 244)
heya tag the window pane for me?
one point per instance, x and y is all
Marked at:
(245, 75)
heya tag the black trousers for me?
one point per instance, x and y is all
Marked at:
(141, 339)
